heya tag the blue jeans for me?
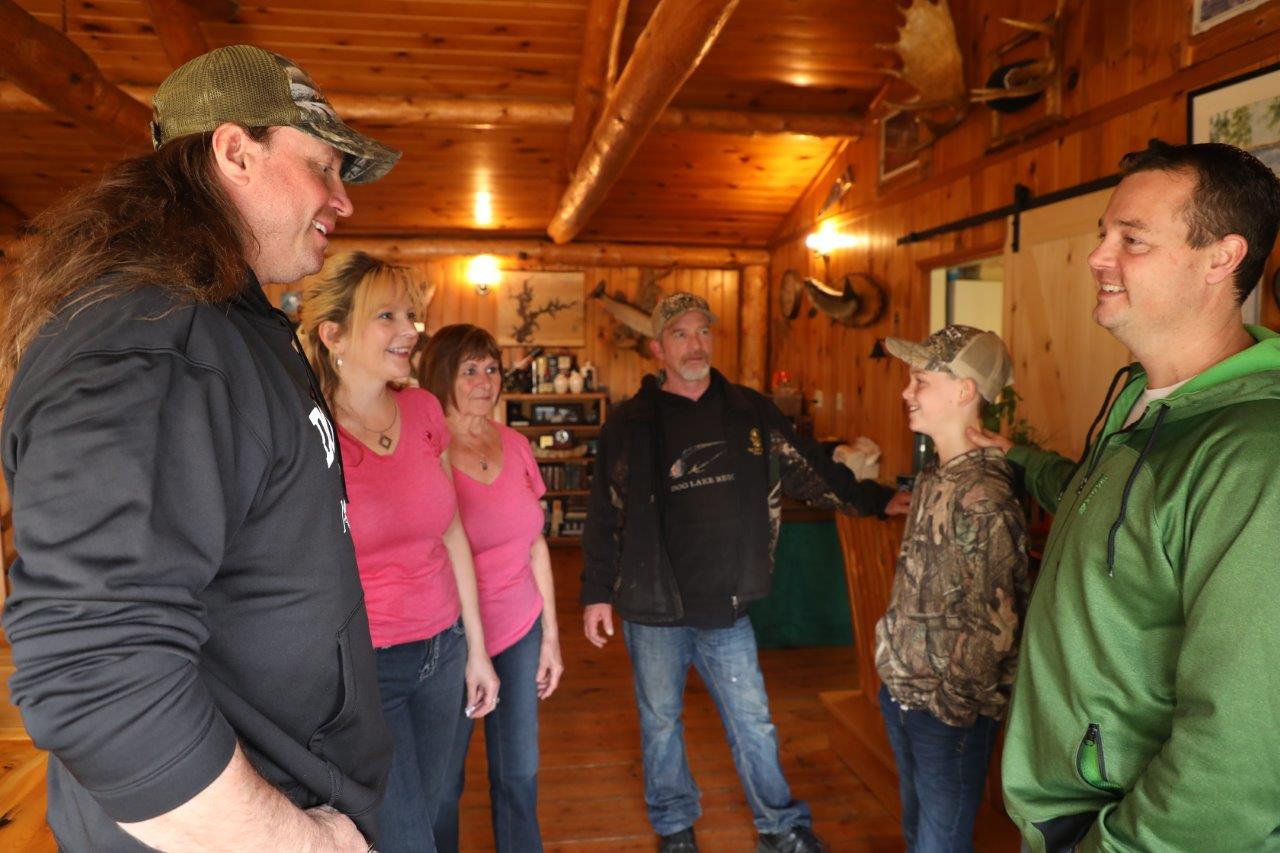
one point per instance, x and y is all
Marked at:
(941, 773)
(726, 660)
(423, 692)
(511, 745)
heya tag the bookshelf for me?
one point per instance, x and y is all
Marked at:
(563, 430)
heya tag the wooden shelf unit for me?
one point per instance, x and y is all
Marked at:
(568, 480)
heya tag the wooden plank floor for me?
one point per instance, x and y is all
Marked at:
(591, 789)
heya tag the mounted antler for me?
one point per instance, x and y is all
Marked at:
(932, 64)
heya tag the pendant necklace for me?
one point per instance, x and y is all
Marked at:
(384, 440)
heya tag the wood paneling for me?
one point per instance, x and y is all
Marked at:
(1129, 67)
(621, 369)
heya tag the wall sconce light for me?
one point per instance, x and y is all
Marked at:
(827, 239)
(483, 273)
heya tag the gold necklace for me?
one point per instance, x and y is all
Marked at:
(474, 448)
(383, 439)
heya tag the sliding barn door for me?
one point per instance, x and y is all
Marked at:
(1063, 361)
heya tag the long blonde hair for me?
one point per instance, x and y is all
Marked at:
(344, 289)
(161, 219)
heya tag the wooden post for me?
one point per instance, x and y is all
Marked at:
(753, 328)
(673, 43)
(574, 254)
(432, 111)
(599, 43)
(49, 66)
(178, 27)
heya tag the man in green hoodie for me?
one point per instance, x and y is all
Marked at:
(1144, 716)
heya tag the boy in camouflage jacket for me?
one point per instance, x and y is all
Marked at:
(947, 645)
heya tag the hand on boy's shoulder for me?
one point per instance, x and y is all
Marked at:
(987, 438)
(899, 504)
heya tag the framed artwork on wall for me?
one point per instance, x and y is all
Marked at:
(1245, 112)
(901, 140)
(541, 308)
(1206, 14)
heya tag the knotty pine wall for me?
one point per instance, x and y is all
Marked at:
(1130, 64)
(456, 301)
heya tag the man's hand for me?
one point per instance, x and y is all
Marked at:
(987, 438)
(899, 504)
(595, 617)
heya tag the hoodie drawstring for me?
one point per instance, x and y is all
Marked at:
(1128, 486)
(1088, 438)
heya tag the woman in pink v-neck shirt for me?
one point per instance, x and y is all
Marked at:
(498, 486)
(411, 550)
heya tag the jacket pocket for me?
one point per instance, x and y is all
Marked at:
(347, 704)
(1091, 761)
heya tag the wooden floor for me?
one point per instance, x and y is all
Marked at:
(591, 790)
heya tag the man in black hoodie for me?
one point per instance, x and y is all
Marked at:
(186, 618)
(684, 514)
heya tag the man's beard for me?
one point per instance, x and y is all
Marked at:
(694, 372)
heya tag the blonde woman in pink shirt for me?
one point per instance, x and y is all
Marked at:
(498, 487)
(415, 565)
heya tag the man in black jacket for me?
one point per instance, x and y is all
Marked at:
(684, 515)
(187, 623)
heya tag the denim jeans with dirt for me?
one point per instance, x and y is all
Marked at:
(726, 660)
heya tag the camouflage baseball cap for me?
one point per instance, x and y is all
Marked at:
(257, 88)
(674, 306)
(965, 353)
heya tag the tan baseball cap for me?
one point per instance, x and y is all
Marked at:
(257, 88)
(674, 306)
(964, 352)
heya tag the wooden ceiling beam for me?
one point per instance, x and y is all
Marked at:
(596, 72)
(673, 42)
(577, 254)
(177, 25)
(394, 111)
(49, 66)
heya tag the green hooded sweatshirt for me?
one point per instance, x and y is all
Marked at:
(1147, 703)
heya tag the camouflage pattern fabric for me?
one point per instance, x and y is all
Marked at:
(676, 305)
(948, 643)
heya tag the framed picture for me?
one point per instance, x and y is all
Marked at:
(901, 138)
(1206, 14)
(541, 308)
(1245, 112)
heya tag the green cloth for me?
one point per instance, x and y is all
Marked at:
(809, 605)
(1148, 681)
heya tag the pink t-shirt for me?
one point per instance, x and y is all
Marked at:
(400, 506)
(503, 520)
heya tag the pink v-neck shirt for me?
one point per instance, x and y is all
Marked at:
(503, 519)
(400, 506)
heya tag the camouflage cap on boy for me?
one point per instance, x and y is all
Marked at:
(676, 305)
(964, 352)
(257, 88)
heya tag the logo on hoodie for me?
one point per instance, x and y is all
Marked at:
(322, 425)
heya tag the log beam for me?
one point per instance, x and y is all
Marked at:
(177, 25)
(678, 35)
(753, 356)
(575, 254)
(49, 66)
(602, 33)
(212, 10)
(391, 111)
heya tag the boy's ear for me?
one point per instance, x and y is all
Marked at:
(968, 391)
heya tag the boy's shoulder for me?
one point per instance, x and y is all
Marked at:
(981, 481)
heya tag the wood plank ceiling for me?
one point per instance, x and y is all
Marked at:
(683, 186)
